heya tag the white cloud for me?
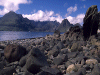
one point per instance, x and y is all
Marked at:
(11, 5)
(71, 9)
(44, 16)
(77, 19)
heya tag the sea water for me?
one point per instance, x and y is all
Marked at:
(13, 35)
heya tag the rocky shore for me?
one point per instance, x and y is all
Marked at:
(71, 53)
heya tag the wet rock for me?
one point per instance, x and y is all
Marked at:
(91, 21)
(35, 60)
(14, 52)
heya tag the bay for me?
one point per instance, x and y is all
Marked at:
(13, 35)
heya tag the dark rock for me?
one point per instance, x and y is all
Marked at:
(60, 45)
(27, 73)
(87, 67)
(81, 71)
(64, 57)
(91, 21)
(54, 52)
(50, 71)
(82, 61)
(68, 63)
(22, 61)
(2, 65)
(14, 64)
(56, 33)
(64, 51)
(96, 70)
(77, 73)
(75, 29)
(75, 33)
(2, 47)
(35, 60)
(72, 54)
(58, 61)
(76, 47)
(7, 71)
(14, 52)
(79, 58)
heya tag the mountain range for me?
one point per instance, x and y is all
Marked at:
(15, 22)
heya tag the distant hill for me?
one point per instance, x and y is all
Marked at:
(64, 26)
(15, 22)
(48, 26)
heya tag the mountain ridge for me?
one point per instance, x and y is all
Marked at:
(15, 22)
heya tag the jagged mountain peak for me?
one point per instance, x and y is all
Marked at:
(64, 26)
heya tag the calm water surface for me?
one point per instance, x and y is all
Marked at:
(13, 35)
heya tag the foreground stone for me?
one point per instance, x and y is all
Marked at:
(91, 61)
(14, 52)
(71, 68)
(35, 60)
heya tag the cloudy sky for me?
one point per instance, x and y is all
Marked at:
(49, 10)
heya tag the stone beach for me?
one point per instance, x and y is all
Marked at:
(70, 53)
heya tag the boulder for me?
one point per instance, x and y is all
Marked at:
(91, 21)
(50, 71)
(96, 70)
(22, 61)
(7, 71)
(72, 54)
(71, 68)
(91, 61)
(58, 61)
(35, 60)
(14, 52)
